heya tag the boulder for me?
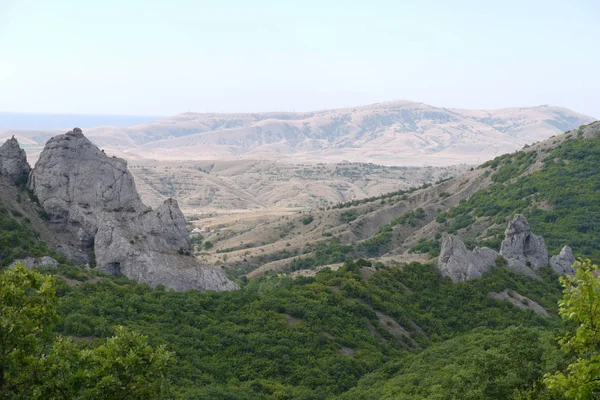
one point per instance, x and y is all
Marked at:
(460, 264)
(13, 161)
(31, 262)
(563, 262)
(523, 251)
(93, 197)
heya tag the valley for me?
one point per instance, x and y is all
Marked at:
(299, 200)
(342, 297)
(407, 226)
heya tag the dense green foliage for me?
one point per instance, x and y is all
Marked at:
(580, 306)
(322, 253)
(27, 315)
(377, 243)
(429, 246)
(560, 200)
(18, 240)
(511, 165)
(308, 338)
(37, 364)
(483, 364)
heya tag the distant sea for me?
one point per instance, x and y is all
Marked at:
(32, 121)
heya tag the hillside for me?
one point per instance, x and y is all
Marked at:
(553, 183)
(227, 186)
(315, 338)
(392, 133)
(375, 328)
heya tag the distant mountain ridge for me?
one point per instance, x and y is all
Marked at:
(392, 133)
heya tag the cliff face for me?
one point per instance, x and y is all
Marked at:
(93, 197)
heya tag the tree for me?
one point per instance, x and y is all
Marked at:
(125, 367)
(36, 364)
(513, 365)
(580, 306)
(27, 316)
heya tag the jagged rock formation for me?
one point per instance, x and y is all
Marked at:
(563, 262)
(523, 251)
(13, 161)
(460, 264)
(31, 262)
(93, 197)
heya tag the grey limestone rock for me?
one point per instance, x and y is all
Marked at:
(93, 197)
(522, 302)
(460, 264)
(523, 251)
(563, 262)
(31, 262)
(13, 161)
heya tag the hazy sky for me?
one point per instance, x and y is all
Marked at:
(166, 57)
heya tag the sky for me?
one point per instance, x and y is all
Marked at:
(151, 57)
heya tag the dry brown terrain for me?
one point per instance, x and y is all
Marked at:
(391, 133)
(272, 245)
(264, 186)
(237, 187)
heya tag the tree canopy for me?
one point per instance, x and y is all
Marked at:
(580, 307)
(35, 363)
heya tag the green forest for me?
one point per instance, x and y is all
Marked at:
(401, 333)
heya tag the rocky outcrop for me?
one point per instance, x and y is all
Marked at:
(461, 264)
(563, 262)
(13, 161)
(519, 301)
(523, 251)
(31, 262)
(93, 197)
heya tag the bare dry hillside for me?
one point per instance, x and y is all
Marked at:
(387, 227)
(227, 186)
(391, 133)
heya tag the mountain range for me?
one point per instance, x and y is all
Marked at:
(390, 133)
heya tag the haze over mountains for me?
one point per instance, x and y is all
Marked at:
(11, 120)
(390, 133)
